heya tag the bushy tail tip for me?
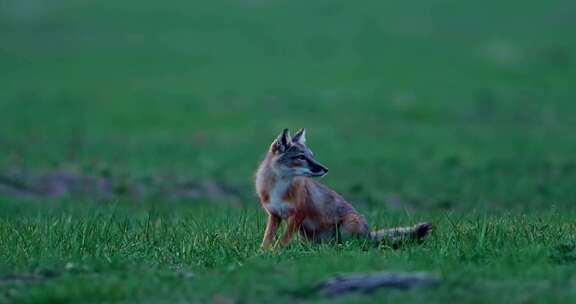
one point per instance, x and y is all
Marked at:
(395, 235)
(422, 229)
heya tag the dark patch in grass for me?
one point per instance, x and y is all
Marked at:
(564, 253)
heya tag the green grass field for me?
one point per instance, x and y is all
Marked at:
(153, 117)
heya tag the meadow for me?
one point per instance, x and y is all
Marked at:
(130, 132)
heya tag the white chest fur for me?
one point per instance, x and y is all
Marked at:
(276, 204)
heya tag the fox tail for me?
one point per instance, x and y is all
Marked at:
(397, 235)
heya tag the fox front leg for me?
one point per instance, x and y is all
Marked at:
(294, 223)
(270, 232)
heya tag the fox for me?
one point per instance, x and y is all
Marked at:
(288, 191)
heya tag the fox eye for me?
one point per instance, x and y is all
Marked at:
(301, 157)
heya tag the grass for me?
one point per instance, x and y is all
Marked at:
(203, 254)
(457, 113)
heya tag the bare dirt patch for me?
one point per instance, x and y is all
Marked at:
(37, 275)
(369, 282)
(69, 183)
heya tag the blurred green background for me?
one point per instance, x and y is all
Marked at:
(411, 104)
(130, 132)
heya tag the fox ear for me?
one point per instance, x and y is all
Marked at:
(282, 143)
(300, 137)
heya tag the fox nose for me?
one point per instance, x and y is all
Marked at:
(320, 169)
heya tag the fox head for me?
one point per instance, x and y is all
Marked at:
(291, 157)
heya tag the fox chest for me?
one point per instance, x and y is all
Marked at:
(279, 207)
(277, 204)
